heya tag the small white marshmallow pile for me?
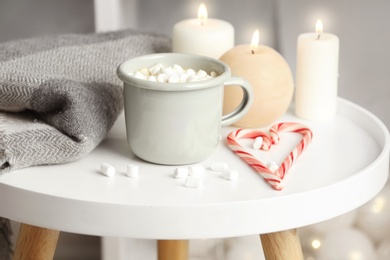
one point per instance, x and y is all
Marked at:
(228, 174)
(109, 170)
(172, 74)
(194, 175)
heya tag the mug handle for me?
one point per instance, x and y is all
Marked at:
(245, 104)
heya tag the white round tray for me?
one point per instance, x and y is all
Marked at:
(345, 166)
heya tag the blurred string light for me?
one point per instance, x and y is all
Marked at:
(363, 233)
(378, 204)
(311, 242)
(351, 236)
(356, 255)
(374, 216)
(316, 244)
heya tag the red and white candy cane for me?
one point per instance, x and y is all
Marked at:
(273, 178)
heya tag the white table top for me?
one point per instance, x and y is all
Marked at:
(345, 166)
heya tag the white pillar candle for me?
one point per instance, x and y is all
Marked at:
(317, 75)
(202, 36)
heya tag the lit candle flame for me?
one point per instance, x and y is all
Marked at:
(319, 26)
(202, 13)
(255, 41)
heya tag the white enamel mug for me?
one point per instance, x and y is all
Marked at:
(178, 123)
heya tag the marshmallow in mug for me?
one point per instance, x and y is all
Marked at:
(172, 74)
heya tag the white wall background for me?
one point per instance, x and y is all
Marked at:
(362, 26)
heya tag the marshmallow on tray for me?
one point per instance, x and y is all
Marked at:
(172, 74)
(231, 175)
(193, 182)
(196, 171)
(180, 173)
(107, 169)
(272, 166)
(219, 166)
(258, 143)
(132, 171)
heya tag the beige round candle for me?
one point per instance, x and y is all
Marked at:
(271, 80)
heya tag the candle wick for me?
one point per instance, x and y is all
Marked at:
(318, 37)
(253, 52)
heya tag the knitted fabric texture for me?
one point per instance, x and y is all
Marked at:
(60, 95)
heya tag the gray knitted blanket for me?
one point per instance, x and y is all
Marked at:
(59, 96)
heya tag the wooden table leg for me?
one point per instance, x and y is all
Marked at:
(172, 249)
(35, 243)
(282, 245)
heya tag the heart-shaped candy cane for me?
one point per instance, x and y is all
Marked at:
(273, 178)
